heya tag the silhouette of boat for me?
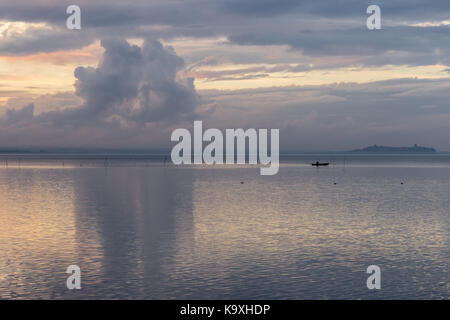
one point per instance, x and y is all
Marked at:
(320, 164)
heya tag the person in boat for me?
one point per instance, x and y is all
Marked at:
(317, 164)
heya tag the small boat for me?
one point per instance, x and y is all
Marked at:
(320, 164)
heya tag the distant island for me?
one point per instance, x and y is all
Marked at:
(385, 149)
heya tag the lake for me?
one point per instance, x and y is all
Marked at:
(140, 228)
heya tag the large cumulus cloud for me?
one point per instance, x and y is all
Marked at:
(132, 91)
(135, 84)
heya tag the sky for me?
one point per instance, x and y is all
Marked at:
(137, 70)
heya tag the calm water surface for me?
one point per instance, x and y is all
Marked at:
(139, 229)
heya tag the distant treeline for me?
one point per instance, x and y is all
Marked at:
(385, 149)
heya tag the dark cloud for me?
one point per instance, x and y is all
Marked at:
(43, 40)
(172, 12)
(106, 13)
(395, 45)
(260, 7)
(412, 10)
(318, 28)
